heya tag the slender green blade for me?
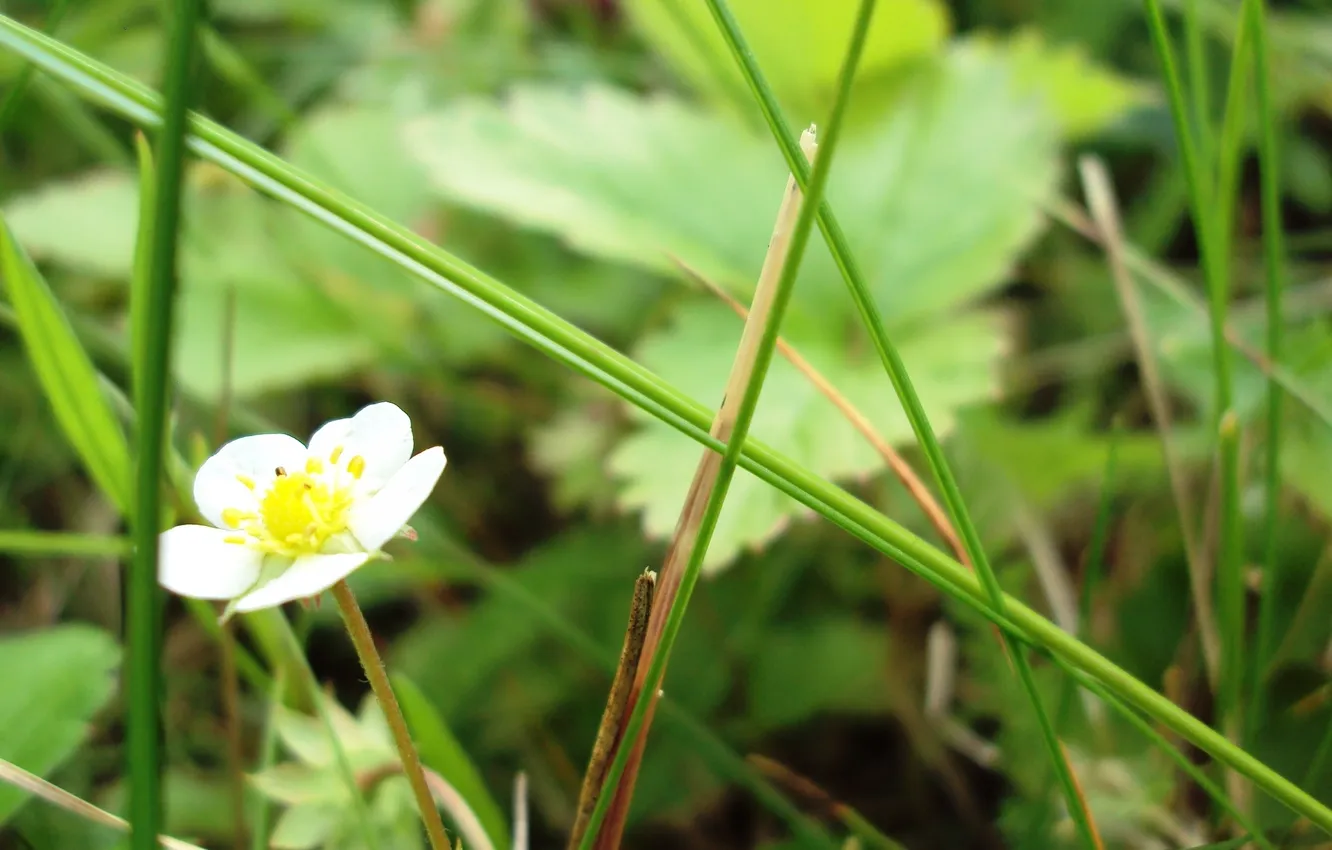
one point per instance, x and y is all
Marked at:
(66, 373)
(1274, 263)
(907, 395)
(153, 348)
(53, 544)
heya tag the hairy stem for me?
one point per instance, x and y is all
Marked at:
(359, 630)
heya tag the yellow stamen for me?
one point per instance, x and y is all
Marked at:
(238, 539)
(356, 466)
(246, 480)
(314, 466)
(337, 453)
(233, 517)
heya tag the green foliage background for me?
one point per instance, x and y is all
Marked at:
(577, 151)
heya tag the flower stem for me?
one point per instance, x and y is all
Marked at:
(359, 630)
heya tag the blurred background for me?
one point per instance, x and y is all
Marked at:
(575, 150)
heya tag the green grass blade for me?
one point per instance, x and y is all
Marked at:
(1274, 260)
(66, 374)
(60, 544)
(906, 394)
(593, 359)
(1213, 246)
(261, 811)
(144, 602)
(19, 87)
(1199, 77)
(636, 724)
(442, 753)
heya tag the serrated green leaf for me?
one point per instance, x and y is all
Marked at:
(1084, 96)
(952, 365)
(442, 752)
(829, 665)
(56, 681)
(798, 43)
(933, 217)
(66, 373)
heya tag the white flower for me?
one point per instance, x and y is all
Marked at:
(291, 521)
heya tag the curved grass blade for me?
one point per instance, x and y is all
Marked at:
(66, 374)
(915, 412)
(630, 381)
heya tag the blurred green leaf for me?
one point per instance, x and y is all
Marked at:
(817, 665)
(66, 373)
(305, 827)
(56, 680)
(798, 43)
(86, 223)
(1085, 97)
(1050, 458)
(934, 218)
(442, 753)
(951, 365)
(287, 329)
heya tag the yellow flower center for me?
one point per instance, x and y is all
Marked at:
(301, 510)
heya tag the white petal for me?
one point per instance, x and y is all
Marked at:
(217, 487)
(383, 515)
(194, 561)
(308, 576)
(380, 433)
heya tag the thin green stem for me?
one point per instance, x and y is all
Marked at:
(600, 363)
(61, 544)
(144, 611)
(359, 631)
(267, 756)
(790, 269)
(1199, 77)
(1213, 248)
(1274, 261)
(906, 394)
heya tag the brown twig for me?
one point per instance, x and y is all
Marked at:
(905, 474)
(12, 774)
(700, 490)
(359, 631)
(613, 718)
(1101, 200)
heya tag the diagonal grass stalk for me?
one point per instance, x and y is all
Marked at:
(915, 412)
(1274, 261)
(19, 87)
(144, 603)
(638, 386)
(765, 320)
